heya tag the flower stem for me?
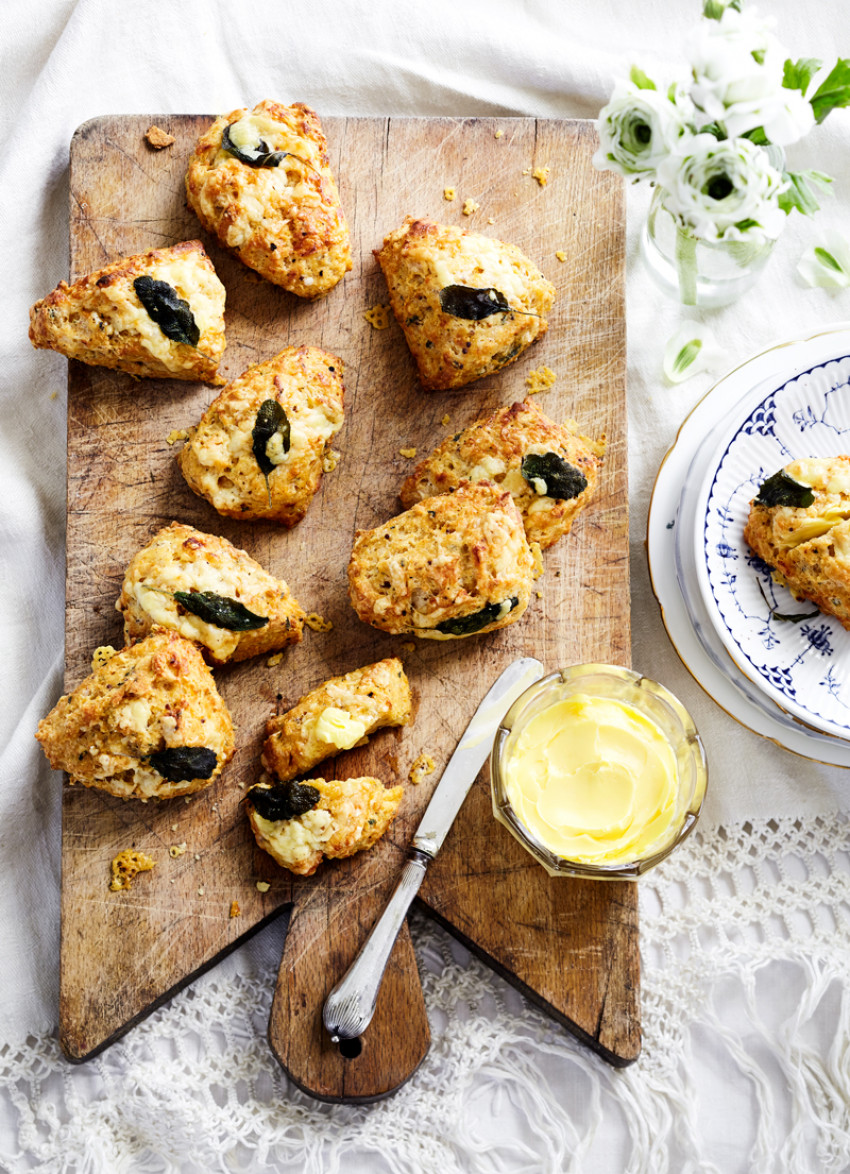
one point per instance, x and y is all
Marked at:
(686, 265)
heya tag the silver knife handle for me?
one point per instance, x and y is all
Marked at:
(350, 1006)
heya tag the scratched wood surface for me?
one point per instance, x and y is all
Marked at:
(571, 946)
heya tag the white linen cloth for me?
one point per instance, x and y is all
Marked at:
(746, 1063)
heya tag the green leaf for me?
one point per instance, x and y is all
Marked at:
(828, 259)
(796, 617)
(743, 225)
(283, 800)
(800, 195)
(796, 75)
(271, 418)
(757, 136)
(714, 9)
(562, 480)
(468, 625)
(833, 91)
(715, 128)
(639, 79)
(758, 56)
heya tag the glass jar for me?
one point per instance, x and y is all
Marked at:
(698, 272)
(652, 702)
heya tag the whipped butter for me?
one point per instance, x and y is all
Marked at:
(594, 781)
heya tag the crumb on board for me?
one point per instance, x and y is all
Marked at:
(541, 174)
(561, 255)
(126, 867)
(470, 206)
(274, 660)
(490, 220)
(498, 134)
(537, 555)
(263, 886)
(174, 827)
(539, 594)
(175, 435)
(423, 766)
(409, 646)
(526, 171)
(330, 460)
(446, 420)
(410, 453)
(101, 656)
(378, 316)
(317, 623)
(539, 380)
(177, 850)
(449, 193)
(158, 138)
(200, 890)
(234, 909)
(54, 394)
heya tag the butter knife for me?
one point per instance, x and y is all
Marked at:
(349, 1008)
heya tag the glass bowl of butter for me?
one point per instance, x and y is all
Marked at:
(598, 772)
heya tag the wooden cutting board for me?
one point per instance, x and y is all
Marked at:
(570, 946)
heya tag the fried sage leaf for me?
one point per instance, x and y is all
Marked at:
(464, 301)
(168, 310)
(259, 156)
(468, 625)
(283, 800)
(220, 611)
(271, 418)
(562, 479)
(787, 617)
(178, 763)
(780, 489)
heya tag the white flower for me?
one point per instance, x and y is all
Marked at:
(737, 68)
(693, 348)
(723, 190)
(637, 129)
(827, 264)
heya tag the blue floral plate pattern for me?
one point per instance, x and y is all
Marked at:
(803, 666)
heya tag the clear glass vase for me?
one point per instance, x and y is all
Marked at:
(696, 271)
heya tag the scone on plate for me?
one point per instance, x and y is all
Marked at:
(300, 824)
(549, 469)
(451, 566)
(209, 591)
(340, 713)
(468, 304)
(799, 523)
(159, 314)
(147, 724)
(259, 449)
(260, 180)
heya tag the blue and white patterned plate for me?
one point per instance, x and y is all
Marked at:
(803, 667)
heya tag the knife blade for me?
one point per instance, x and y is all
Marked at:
(350, 1006)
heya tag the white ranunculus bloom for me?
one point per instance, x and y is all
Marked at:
(737, 67)
(723, 190)
(637, 129)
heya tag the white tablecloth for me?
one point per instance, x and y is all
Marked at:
(744, 933)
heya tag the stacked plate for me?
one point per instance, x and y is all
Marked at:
(774, 663)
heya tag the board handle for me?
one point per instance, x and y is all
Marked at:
(328, 926)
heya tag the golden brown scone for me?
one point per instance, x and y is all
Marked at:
(182, 559)
(221, 459)
(421, 259)
(454, 565)
(277, 207)
(149, 723)
(341, 713)
(341, 817)
(516, 448)
(808, 544)
(102, 320)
